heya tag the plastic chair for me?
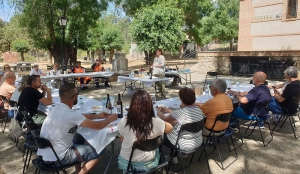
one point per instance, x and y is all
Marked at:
(289, 114)
(39, 164)
(193, 128)
(258, 119)
(216, 139)
(208, 74)
(148, 145)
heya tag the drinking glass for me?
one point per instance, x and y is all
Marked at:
(153, 98)
(228, 84)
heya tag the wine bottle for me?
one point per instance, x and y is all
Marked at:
(151, 72)
(119, 107)
(108, 103)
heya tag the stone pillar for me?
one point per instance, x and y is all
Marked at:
(120, 62)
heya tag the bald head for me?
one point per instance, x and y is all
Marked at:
(259, 78)
(10, 77)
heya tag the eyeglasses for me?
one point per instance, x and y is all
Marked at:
(75, 94)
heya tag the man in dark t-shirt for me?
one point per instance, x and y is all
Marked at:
(251, 101)
(30, 96)
(283, 100)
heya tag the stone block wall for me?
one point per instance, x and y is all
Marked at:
(10, 57)
(220, 64)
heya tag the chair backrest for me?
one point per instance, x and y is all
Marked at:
(291, 108)
(190, 127)
(22, 110)
(223, 118)
(31, 126)
(212, 73)
(148, 145)
(43, 143)
(12, 103)
(264, 104)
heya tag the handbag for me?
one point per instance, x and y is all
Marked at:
(15, 130)
(38, 119)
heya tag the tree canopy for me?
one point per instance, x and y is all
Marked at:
(41, 19)
(158, 26)
(221, 23)
(21, 46)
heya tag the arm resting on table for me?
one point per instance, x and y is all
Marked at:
(97, 125)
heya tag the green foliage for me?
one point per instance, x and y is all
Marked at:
(222, 22)
(158, 26)
(111, 38)
(10, 31)
(193, 12)
(21, 46)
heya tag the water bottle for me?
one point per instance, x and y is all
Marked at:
(81, 104)
(237, 84)
(207, 90)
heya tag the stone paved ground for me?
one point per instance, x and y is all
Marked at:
(280, 156)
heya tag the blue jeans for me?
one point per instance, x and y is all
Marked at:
(274, 106)
(86, 152)
(11, 113)
(239, 112)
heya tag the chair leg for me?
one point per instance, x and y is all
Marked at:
(29, 159)
(222, 167)
(294, 129)
(248, 129)
(183, 168)
(26, 151)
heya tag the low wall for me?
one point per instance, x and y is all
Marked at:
(220, 61)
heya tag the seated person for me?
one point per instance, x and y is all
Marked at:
(7, 89)
(31, 96)
(56, 71)
(188, 113)
(16, 94)
(283, 99)
(220, 104)
(36, 71)
(140, 125)
(6, 68)
(63, 120)
(83, 80)
(98, 67)
(251, 101)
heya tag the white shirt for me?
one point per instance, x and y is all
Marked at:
(159, 61)
(16, 94)
(60, 120)
(130, 138)
(34, 72)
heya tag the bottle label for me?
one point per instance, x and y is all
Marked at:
(118, 109)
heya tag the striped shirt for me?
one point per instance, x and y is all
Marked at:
(187, 140)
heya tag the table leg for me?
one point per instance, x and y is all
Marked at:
(113, 152)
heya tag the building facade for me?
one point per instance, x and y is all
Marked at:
(269, 25)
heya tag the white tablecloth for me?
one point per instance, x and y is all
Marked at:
(99, 139)
(175, 102)
(242, 87)
(146, 81)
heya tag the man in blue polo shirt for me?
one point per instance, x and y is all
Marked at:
(250, 101)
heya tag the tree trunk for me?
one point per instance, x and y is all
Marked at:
(93, 56)
(99, 56)
(37, 55)
(22, 56)
(149, 57)
(71, 53)
(50, 58)
(111, 51)
(88, 55)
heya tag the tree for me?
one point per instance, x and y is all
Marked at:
(111, 39)
(193, 12)
(10, 31)
(41, 20)
(158, 26)
(21, 46)
(222, 23)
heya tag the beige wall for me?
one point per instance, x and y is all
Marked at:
(269, 28)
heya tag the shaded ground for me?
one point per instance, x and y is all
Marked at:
(280, 156)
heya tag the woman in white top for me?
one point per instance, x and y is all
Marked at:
(55, 69)
(158, 69)
(140, 125)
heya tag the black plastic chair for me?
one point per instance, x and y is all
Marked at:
(209, 74)
(193, 128)
(258, 119)
(289, 114)
(4, 113)
(29, 145)
(40, 165)
(148, 145)
(216, 139)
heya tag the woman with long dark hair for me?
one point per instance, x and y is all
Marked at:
(140, 125)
